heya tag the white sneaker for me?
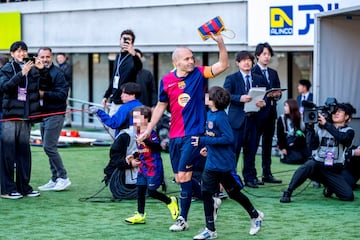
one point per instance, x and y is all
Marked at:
(206, 234)
(179, 225)
(14, 195)
(62, 183)
(255, 223)
(48, 186)
(217, 204)
(33, 194)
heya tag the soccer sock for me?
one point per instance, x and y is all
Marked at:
(196, 188)
(209, 210)
(244, 202)
(141, 192)
(185, 198)
(159, 196)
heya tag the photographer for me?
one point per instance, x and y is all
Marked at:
(327, 163)
(352, 166)
(126, 66)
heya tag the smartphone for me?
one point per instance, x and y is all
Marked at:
(127, 40)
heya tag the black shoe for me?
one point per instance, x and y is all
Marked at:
(271, 179)
(252, 184)
(258, 182)
(67, 125)
(327, 193)
(286, 198)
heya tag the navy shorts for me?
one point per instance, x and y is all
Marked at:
(211, 179)
(152, 182)
(183, 155)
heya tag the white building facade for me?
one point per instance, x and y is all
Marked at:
(89, 32)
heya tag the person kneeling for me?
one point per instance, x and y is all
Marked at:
(327, 163)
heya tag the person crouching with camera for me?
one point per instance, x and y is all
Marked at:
(329, 142)
(352, 166)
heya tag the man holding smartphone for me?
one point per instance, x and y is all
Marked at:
(126, 66)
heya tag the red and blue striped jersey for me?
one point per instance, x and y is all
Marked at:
(150, 156)
(185, 97)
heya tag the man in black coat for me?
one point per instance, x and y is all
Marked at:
(244, 124)
(53, 93)
(146, 80)
(268, 115)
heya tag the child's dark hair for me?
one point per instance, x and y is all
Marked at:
(145, 111)
(220, 96)
(18, 45)
(131, 88)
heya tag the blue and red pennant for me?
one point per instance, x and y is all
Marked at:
(215, 26)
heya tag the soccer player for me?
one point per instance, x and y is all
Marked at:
(151, 172)
(221, 163)
(183, 91)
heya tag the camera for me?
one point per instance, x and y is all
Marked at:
(311, 111)
(126, 40)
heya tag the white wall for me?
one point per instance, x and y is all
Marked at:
(95, 26)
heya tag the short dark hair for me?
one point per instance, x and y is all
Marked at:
(306, 83)
(242, 55)
(128, 32)
(131, 88)
(347, 108)
(220, 97)
(3, 60)
(45, 49)
(139, 52)
(145, 111)
(18, 45)
(260, 48)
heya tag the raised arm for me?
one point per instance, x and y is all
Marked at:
(223, 62)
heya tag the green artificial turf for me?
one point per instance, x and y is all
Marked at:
(65, 215)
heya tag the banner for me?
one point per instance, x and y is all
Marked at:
(10, 29)
(287, 22)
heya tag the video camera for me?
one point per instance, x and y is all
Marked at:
(311, 111)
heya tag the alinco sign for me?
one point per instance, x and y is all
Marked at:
(287, 22)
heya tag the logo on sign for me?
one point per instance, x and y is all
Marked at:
(281, 21)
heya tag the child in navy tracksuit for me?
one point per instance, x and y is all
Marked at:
(151, 173)
(220, 163)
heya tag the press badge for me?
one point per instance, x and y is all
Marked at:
(116, 81)
(329, 159)
(22, 94)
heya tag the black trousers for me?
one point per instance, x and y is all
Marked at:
(331, 177)
(246, 138)
(266, 130)
(15, 157)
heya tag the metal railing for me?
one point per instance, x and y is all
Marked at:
(81, 116)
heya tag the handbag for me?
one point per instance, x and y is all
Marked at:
(215, 26)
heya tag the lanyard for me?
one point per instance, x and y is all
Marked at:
(26, 76)
(119, 62)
